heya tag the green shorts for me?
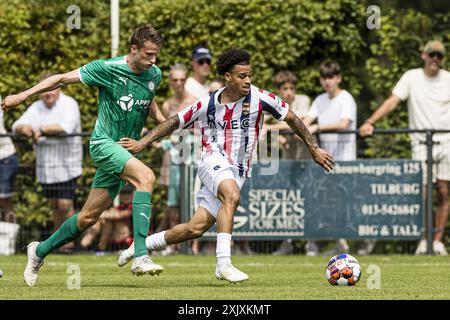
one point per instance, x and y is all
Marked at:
(110, 158)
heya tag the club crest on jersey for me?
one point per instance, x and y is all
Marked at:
(246, 108)
(151, 86)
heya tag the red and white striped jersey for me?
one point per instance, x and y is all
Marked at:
(233, 129)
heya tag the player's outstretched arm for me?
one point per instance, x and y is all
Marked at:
(386, 107)
(161, 130)
(322, 157)
(156, 113)
(48, 84)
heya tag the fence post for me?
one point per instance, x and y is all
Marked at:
(184, 200)
(429, 192)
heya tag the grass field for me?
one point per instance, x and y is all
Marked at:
(189, 277)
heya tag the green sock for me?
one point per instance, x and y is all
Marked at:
(142, 211)
(66, 233)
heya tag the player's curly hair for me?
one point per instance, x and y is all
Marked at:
(227, 60)
(146, 32)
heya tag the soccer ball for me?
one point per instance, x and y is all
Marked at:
(343, 270)
(1, 273)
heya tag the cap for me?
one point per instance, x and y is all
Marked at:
(201, 52)
(434, 46)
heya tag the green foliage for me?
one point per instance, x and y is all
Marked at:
(290, 34)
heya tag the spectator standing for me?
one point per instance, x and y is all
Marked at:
(334, 110)
(197, 84)
(180, 100)
(58, 159)
(427, 91)
(292, 148)
(8, 171)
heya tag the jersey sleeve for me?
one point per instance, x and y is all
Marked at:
(95, 74)
(401, 89)
(273, 105)
(192, 113)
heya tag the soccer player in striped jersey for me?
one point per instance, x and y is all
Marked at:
(230, 120)
(127, 86)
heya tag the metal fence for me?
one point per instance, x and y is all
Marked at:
(37, 216)
(385, 144)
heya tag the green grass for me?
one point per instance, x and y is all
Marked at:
(189, 277)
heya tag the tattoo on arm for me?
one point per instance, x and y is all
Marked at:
(302, 131)
(161, 130)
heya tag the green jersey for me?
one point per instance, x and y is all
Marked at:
(124, 97)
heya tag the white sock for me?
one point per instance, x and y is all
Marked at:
(223, 248)
(156, 241)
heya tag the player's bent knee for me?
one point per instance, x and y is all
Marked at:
(147, 180)
(232, 198)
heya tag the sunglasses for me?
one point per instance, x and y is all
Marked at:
(178, 80)
(203, 61)
(436, 54)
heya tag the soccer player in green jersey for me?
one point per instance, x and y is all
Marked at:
(127, 86)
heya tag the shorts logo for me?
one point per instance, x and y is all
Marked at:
(126, 102)
(216, 168)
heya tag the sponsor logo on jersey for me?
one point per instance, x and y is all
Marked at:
(127, 102)
(216, 168)
(234, 124)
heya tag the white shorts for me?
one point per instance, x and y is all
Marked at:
(214, 168)
(441, 159)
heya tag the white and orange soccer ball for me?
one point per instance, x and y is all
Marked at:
(343, 270)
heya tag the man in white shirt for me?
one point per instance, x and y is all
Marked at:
(58, 160)
(8, 170)
(334, 110)
(197, 85)
(427, 91)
